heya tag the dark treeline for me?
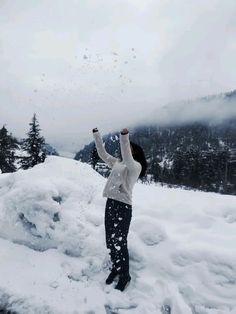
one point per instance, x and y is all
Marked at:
(197, 155)
(24, 154)
(8, 144)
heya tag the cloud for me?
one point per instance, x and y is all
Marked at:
(213, 109)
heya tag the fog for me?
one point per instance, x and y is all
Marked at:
(215, 109)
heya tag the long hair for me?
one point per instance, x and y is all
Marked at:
(138, 155)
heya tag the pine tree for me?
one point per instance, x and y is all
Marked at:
(33, 145)
(7, 146)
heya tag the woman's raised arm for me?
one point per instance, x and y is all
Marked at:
(126, 150)
(102, 153)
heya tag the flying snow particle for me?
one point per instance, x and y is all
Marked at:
(85, 57)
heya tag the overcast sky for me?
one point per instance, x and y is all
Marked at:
(108, 63)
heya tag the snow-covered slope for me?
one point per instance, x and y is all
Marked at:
(52, 246)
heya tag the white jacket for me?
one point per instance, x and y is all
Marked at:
(124, 174)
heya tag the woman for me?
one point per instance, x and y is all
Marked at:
(118, 191)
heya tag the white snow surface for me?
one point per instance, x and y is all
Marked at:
(53, 257)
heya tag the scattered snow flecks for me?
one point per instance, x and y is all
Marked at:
(52, 246)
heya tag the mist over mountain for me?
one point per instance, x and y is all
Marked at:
(212, 109)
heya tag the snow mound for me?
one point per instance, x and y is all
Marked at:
(51, 205)
(53, 257)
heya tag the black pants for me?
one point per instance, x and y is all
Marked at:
(117, 221)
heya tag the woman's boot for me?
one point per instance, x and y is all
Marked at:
(123, 281)
(111, 276)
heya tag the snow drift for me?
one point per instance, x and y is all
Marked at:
(52, 246)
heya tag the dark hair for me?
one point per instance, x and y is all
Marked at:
(138, 155)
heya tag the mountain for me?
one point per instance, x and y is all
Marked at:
(53, 257)
(195, 154)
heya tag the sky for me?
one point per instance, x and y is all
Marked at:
(108, 64)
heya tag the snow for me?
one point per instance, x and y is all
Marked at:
(53, 257)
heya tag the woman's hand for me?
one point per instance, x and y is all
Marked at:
(95, 130)
(124, 131)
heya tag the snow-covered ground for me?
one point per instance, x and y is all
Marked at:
(52, 246)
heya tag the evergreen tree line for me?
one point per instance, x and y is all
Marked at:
(32, 145)
(196, 169)
(196, 155)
